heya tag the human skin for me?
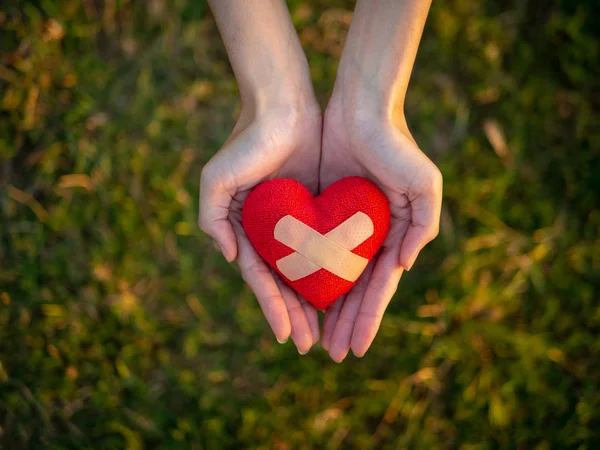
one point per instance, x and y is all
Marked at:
(365, 133)
(278, 134)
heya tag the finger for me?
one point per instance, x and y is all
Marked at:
(301, 332)
(331, 316)
(213, 217)
(313, 318)
(342, 334)
(426, 208)
(256, 273)
(381, 288)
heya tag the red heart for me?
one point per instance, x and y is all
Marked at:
(272, 200)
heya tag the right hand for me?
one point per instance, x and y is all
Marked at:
(270, 141)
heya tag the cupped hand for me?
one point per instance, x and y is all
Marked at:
(278, 141)
(381, 149)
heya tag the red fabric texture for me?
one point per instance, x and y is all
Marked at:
(272, 200)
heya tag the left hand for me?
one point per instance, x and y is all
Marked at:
(367, 144)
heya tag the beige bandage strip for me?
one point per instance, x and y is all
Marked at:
(331, 251)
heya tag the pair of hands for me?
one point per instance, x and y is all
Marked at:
(293, 141)
(281, 132)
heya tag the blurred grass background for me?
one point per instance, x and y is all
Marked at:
(121, 327)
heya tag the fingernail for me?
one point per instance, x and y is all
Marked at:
(357, 356)
(303, 353)
(283, 341)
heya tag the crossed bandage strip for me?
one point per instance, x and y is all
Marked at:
(330, 251)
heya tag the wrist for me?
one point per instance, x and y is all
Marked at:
(297, 115)
(281, 93)
(265, 54)
(378, 56)
(272, 80)
(359, 104)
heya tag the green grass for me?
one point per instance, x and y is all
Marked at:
(121, 327)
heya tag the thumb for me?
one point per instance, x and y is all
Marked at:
(213, 217)
(425, 222)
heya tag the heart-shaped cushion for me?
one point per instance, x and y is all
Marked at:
(318, 245)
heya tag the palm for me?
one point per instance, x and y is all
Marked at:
(289, 155)
(391, 159)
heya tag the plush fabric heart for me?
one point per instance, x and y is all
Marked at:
(318, 245)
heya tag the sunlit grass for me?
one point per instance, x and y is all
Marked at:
(120, 325)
